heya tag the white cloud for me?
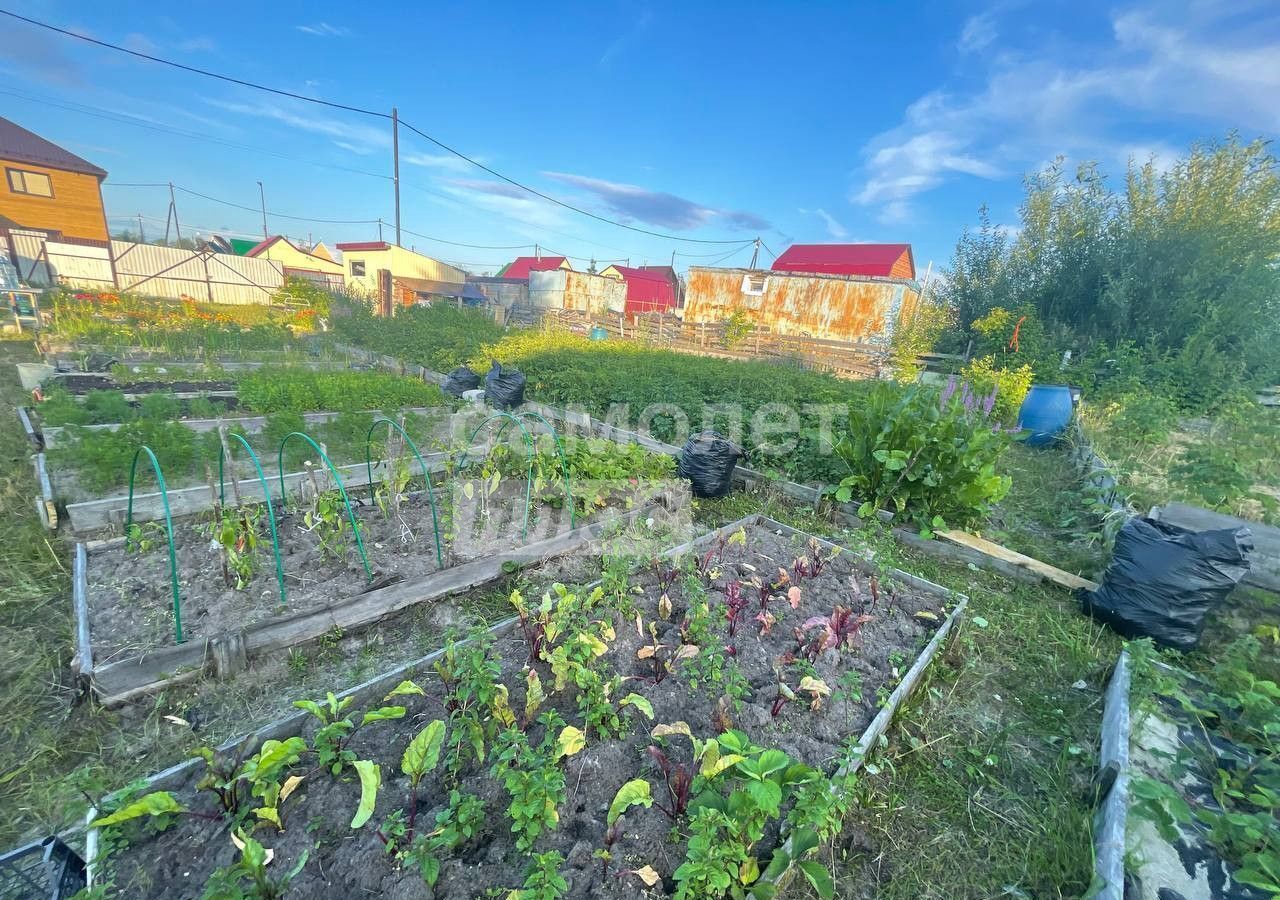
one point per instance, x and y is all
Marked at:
(834, 228)
(446, 161)
(323, 29)
(978, 33)
(1193, 63)
(348, 135)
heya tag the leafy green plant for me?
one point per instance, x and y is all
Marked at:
(235, 530)
(927, 458)
(532, 776)
(326, 517)
(248, 879)
(543, 880)
(336, 728)
(471, 676)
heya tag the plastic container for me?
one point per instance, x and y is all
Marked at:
(44, 870)
(599, 333)
(1045, 413)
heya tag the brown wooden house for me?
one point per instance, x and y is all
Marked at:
(46, 188)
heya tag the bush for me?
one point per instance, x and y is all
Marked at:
(1009, 386)
(917, 335)
(927, 457)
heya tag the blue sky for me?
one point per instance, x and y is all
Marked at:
(795, 122)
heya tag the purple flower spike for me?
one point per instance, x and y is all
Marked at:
(989, 403)
(949, 391)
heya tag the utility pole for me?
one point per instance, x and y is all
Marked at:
(395, 154)
(379, 231)
(142, 235)
(755, 253)
(262, 195)
(673, 259)
(173, 202)
(537, 252)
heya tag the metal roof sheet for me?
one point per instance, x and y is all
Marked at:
(20, 145)
(842, 259)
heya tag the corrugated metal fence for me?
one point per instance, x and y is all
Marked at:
(143, 269)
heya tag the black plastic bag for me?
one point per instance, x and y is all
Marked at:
(707, 460)
(503, 388)
(460, 380)
(1164, 580)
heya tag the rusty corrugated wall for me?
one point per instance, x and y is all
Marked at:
(562, 289)
(831, 307)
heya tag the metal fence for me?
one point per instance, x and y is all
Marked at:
(146, 269)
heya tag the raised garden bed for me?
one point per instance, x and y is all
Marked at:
(1161, 767)
(808, 753)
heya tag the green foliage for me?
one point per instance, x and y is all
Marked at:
(919, 333)
(532, 778)
(713, 862)
(248, 879)
(913, 454)
(1010, 386)
(236, 532)
(440, 337)
(1232, 706)
(471, 675)
(304, 293)
(568, 370)
(737, 328)
(543, 880)
(157, 803)
(1180, 261)
(271, 390)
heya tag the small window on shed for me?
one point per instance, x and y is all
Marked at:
(753, 284)
(357, 268)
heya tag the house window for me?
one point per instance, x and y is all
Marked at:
(35, 183)
(753, 284)
(357, 268)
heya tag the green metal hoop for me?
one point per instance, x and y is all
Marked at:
(564, 467)
(528, 449)
(426, 475)
(168, 524)
(266, 493)
(337, 479)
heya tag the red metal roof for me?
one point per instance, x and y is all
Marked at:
(846, 259)
(523, 265)
(646, 291)
(19, 145)
(364, 245)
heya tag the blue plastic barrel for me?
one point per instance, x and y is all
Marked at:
(599, 333)
(1045, 413)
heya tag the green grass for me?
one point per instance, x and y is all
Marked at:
(47, 736)
(1047, 513)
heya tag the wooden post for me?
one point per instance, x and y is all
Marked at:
(228, 655)
(226, 452)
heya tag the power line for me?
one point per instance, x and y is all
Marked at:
(367, 112)
(177, 65)
(472, 246)
(550, 199)
(709, 255)
(126, 119)
(255, 209)
(770, 252)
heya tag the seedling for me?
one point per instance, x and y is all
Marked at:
(634, 792)
(235, 531)
(543, 880)
(734, 605)
(825, 633)
(679, 781)
(336, 730)
(143, 537)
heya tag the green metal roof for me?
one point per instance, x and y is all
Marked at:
(241, 246)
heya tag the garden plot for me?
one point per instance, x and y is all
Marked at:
(522, 757)
(148, 616)
(1193, 783)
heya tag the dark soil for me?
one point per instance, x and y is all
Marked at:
(130, 593)
(344, 863)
